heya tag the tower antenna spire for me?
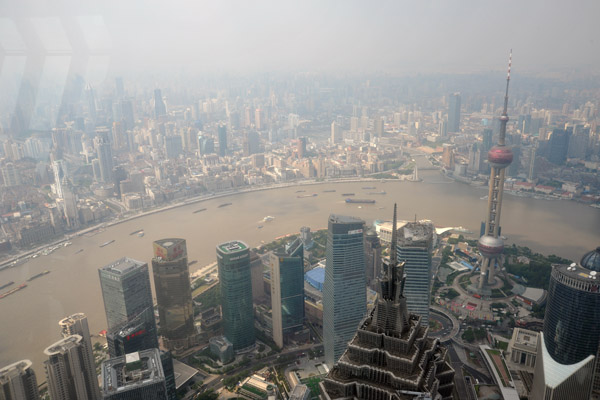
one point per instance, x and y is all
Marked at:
(393, 247)
(504, 117)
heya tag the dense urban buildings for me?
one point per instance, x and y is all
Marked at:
(287, 291)
(134, 376)
(173, 293)
(391, 356)
(68, 374)
(415, 243)
(236, 294)
(18, 382)
(344, 293)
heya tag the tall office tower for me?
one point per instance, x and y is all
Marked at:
(372, 258)
(379, 126)
(344, 289)
(222, 133)
(487, 138)
(569, 342)
(68, 375)
(454, 113)
(448, 156)
(259, 117)
(236, 294)
(135, 376)
(391, 357)
(159, 105)
(126, 291)
(336, 133)
(77, 324)
(91, 102)
(173, 293)
(105, 159)
(206, 145)
(301, 147)
(18, 382)
(443, 127)
(251, 143)
(60, 173)
(490, 244)
(415, 244)
(287, 291)
(558, 146)
(173, 146)
(354, 124)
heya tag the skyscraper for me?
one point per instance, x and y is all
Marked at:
(344, 289)
(135, 376)
(391, 357)
(159, 105)
(372, 258)
(173, 146)
(490, 244)
(336, 133)
(558, 146)
(67, 372)
(454, 113)
(126, 291)
(18, 382)
(415, 243)
(571, 331)
(236, 294)
(105, 159)
(77, 324)
(287, 291)
(173, 293)
(222, 133)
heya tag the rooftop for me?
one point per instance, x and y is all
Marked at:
(13, 370)
(344, 219)
(63, 345)
(123, 266)
(232, 247)
(134, 369)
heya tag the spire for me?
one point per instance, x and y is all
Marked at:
(393, 244)
(504, 117)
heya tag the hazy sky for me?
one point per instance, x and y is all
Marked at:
(363, 36)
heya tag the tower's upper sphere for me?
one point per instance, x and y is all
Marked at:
(490, 246)
(591, 260)
(500, 156)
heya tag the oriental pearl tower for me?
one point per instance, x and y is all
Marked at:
(490, 244)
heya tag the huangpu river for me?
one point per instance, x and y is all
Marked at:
(29, 318)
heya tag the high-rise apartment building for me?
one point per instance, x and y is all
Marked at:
(344, 289)
(558, 146)
(222, 134)
(236, 294)
(126, 291)
(18, 382)
(287, 291)
(77, 324)
(67, 372)
(173, 293)
(336, 133)
(454, 113)
(415, 244)
(135, 376)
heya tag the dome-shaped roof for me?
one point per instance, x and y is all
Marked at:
(591, 260)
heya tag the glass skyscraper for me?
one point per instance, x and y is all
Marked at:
(173, 293)
(415, 243)
(454, 113)
(236, 294)
(287, 291)
(344, 289)
(126, 291)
